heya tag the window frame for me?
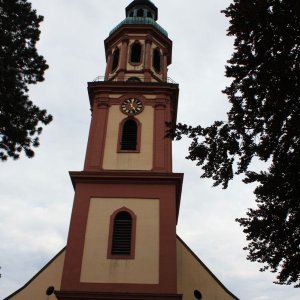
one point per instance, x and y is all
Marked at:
(149, 14)
(140, 10)
(138, 138)
(113, 69)
(133, 235)
(141, 53)
(157, 50)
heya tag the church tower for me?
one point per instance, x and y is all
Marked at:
(122, 242)
(122, 236)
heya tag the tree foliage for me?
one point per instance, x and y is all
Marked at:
(264, 123)
(20, 65)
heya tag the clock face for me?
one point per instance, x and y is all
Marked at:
(132, 106)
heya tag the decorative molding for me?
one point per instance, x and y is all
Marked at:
(81, 295)
(160, 104)
(102, 103)
(139, 135)
(125, 39)
(149, 39)
(108, 52)
(133, 235)
(125, 177)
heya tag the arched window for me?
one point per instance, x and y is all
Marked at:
(129, 135)
(149, 15)
(122, 234)
(140, 12)
(115, 61)
(136, 50)
(156, 60)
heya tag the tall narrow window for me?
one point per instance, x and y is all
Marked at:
(156, 60)
(129, 135)
(115, 61)
(136, 51)
(121, 241)
(149, 15)
(140, 13)
(122, 234)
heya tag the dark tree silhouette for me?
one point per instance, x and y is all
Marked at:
(263, 122)
(20, 65)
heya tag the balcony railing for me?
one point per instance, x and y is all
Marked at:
(130, 79)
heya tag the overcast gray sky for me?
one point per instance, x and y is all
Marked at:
(36, 195)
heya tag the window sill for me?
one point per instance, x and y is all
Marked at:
(120, 256)
(128, 151)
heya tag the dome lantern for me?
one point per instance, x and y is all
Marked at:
(143, 9)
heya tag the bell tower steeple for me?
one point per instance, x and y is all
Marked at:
(136, 53)
(135, 99)
(122, 236)
(122, 242)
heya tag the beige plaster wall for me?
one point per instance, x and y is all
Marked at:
(144, 268)
(143, 160)
(50, 276)
(192, 275)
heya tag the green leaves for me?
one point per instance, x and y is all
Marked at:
(20, 65)
(273, 228)
(263, 122)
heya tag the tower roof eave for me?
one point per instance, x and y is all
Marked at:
(138, 177)
(140, 21)
(96, 87)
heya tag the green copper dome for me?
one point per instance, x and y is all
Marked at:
(138, 21)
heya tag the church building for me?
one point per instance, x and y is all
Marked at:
(122, 242)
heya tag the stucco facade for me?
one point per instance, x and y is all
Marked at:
(192, 275)
(114, 160)
(96, 267)
(49, 276)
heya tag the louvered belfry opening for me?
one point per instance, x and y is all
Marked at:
(156, 60)
(136, 51)
(122, 234)
(116, 56)
(129, 135)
